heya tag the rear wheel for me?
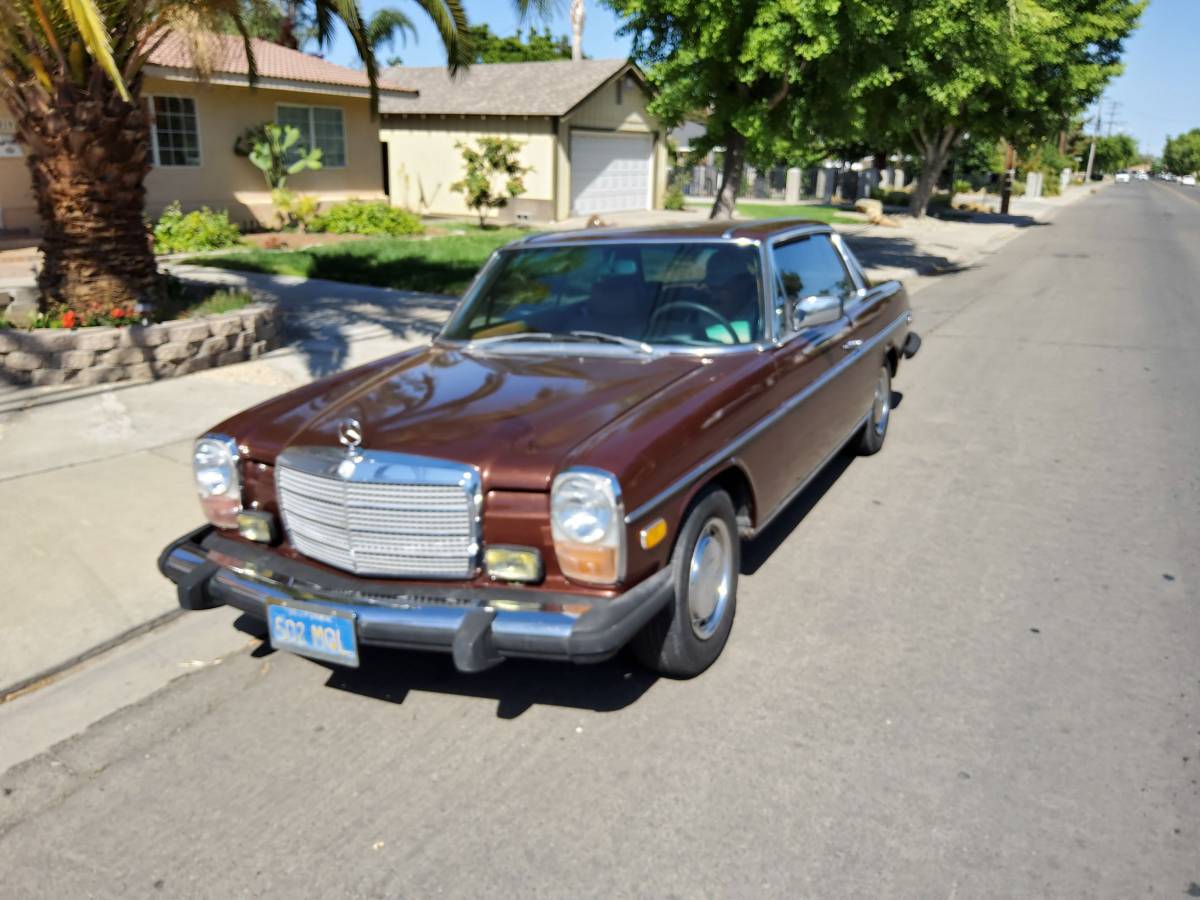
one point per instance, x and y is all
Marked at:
(687, 636)
(873, 433)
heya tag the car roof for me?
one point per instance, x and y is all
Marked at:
(708, 230)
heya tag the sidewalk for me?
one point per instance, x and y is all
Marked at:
(95, 481)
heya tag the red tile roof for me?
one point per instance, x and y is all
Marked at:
(227, 55)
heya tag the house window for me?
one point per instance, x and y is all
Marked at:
(175, 138)
(321, 127)
(620, 90)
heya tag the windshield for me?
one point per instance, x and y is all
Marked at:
(687, 294)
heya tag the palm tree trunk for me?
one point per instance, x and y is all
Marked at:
(88, 154)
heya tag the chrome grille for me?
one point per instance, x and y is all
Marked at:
(384, 514)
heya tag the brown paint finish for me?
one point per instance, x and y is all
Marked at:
(665, 425)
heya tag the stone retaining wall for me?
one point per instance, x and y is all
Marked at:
(102, 354)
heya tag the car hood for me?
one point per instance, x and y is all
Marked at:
(513, 416)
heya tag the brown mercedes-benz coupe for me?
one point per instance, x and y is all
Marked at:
(570, 465)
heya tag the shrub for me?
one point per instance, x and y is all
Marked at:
(889, 197)
(674, 198)
(295, 210)
(362, 217)
(201, 229)
(962, 186)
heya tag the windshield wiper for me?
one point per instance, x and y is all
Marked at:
(578, 336)
(519, 336)
(640, 346)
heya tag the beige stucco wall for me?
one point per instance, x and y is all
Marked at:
(224, 180)
(424, 161)
(17, 211)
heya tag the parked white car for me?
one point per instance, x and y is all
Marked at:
(1141, 176)
(1188, 179)
(1122, 178)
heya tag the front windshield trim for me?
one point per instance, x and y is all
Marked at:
(482, 279)
(587, 348)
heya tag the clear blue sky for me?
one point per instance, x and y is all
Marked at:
(1159, 94)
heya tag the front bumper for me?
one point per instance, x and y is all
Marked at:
(480, 627)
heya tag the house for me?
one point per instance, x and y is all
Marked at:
(583, 125)
(196, 121)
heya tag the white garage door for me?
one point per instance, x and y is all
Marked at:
(610, 172)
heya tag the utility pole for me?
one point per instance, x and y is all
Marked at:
(1087, 179)
(1010, 174)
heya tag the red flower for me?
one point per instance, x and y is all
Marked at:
(69, 319)
(117, 312)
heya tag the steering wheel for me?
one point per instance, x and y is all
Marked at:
(695, 307)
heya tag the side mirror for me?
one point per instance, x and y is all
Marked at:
(811, 311)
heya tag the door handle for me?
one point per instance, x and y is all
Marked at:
(852, 345)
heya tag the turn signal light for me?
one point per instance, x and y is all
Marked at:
(599, 565)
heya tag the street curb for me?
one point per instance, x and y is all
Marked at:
(33, 682)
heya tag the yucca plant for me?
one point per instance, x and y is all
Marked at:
(71, 72)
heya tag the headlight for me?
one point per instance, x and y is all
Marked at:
(587, 523)
(215, 465)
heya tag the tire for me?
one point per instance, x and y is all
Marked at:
(875, 430)
(676, 642)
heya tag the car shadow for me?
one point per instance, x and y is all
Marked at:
(516, 685)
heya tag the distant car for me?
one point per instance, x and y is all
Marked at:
(1122, 178)
(1142, 176)
(1188, 179)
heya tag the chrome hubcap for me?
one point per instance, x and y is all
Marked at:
(882, 406)
(710, 577)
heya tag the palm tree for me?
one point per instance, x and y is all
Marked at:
(71, 72)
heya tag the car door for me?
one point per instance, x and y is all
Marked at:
(859, 358)
(805, 268)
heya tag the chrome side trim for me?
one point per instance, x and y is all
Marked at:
(754, 430)
(796, 491)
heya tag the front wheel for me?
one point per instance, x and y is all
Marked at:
(875, 430)
(689, 634)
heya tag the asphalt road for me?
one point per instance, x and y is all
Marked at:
(966, 667)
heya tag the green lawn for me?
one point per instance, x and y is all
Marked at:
(814, 212)
(440, 265)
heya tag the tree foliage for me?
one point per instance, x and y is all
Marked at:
(1114, 152)
(494, 174)
(1181, 155)
(487, 47)
(794, 79)
(1018, 70)
(743, 68)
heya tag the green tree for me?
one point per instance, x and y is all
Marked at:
(494, 174)
(487, 47)
(746, 69)
(1181, 155)
(1115, 152)
(1018, 70)
(71, 72)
